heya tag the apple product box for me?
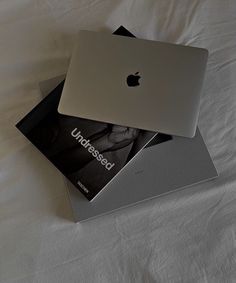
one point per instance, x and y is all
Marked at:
(164, 166)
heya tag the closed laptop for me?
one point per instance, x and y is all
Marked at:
(133, 82)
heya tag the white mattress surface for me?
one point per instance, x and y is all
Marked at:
(188, 236)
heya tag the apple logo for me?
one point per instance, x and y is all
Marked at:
(133, 80)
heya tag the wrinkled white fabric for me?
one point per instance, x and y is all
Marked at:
(186, 237)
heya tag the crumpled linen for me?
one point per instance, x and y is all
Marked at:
(187, 236)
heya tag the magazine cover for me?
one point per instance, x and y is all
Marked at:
(89, 153)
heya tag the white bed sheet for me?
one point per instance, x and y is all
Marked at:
(188, 236)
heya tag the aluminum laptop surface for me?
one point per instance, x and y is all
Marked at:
(136, 83)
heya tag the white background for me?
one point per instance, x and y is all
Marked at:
(188, 236)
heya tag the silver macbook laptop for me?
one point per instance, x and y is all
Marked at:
(137, 83)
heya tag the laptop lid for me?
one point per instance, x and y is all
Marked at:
(137, 83)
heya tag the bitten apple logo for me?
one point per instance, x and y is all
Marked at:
(133, 80)
(95, 153)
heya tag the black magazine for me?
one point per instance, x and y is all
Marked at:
(89, 153)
